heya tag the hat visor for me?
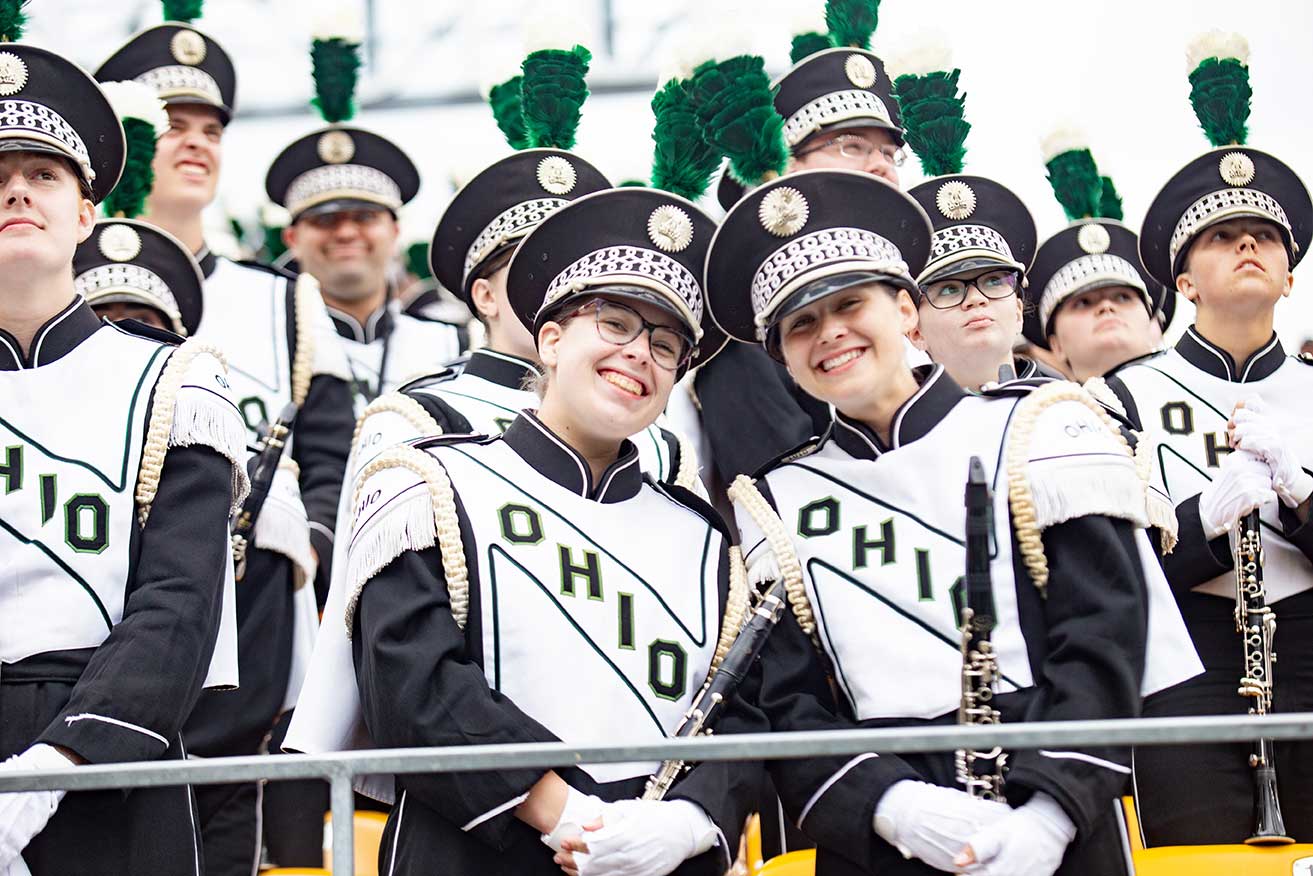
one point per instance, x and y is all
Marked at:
(127, 296)
(852, 125)
(1237, 212)
(827, 286)
(966, 266)
(18, 143)
(342, 205)
(225, 113)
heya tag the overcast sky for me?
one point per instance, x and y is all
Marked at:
(1115, 68)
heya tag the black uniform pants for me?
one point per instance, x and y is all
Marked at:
(1202, 794)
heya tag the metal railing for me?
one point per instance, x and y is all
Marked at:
(339, 769)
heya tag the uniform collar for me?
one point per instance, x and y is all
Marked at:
(502, 369)
(54, 340)
(207, 260)
(558, 461)
(914, 419)
(1205, 356)
(1025, 367)
(377, 326)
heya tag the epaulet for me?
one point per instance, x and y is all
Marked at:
(1305, 358)
(686, 474)
(424, 381)
(143, 330)
(692, 501)
(445, 440)
(268, 269)
(806, 448)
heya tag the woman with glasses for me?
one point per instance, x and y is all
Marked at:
(537, 586)
(866, 528)
(969, 308)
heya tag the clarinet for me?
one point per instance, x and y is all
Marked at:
(1257, 624)
(980, 773)
(721, 685)
(264, 466)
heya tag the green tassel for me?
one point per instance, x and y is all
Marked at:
(417, 260)
(552, 93)
(682, 162)
(851, 22)
(933, 119)
(736, 110)
(12, 20)
(1220, 93)
(129, 197)
(182, 10)
(807, 44)
(505, 101)
(1110, 203)
(1076, 183)
(273, 244)
(336, 69)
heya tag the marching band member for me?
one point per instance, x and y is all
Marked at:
(819, 267)
(115, 551)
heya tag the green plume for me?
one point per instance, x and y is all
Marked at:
(933, 120)
(273, 244)
(851, 22)
(235, 226)
(129, 197)
(807, 44)
(683, 162)
(1076, 183)
(335, 67)
(182, 10)
(12, 20)
(1110, 203)
(417, 259)
(632, 183)
(551, 95)
(506, 109)
(1220, 93)
(736, 109)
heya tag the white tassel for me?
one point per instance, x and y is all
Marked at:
(408, 528)
(1074, 489)
(200, 418)
(764, 567)
(1216, 44)
(283, 529)
(1162, 514)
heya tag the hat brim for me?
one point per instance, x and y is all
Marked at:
(853, 125)
(342, 205)
(225, 113)
(967, 266)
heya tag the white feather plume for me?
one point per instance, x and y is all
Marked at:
(714, 34)
(274, 216)
(545, 27)
(1066, 138)
(338, 20)
(808, 17)
(927, 53)
(1216, 44)
(133, 100)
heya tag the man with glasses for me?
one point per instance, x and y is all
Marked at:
(969, 307)
(840, 113)
(343, 187)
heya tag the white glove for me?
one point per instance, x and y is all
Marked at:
(1255, 431)
(1243, 483)
(932, 823)
(23, 814)
(646, 838)
(17, 867)
(1031, 840)
(580, 809)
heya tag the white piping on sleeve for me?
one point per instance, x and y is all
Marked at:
(1087, 758)
(493, 813)
(829, 783)
(116, 722)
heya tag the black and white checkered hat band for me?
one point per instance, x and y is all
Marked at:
(1222, 204)
(35, 121)
(633, 265)
(1087, 272)
(815, 256)
(181, 80)
(509, 225)
(332, 181)
(105, 281)
(837, 106)
(954, 239)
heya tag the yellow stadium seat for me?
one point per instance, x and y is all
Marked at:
(1221, 860)
(368, 835)
(791, 864)
(752, 842)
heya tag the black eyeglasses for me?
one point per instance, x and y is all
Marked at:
(619, 324)
(947, 294)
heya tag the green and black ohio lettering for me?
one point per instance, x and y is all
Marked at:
(1178, 419)
(86, 515)
(581, 575)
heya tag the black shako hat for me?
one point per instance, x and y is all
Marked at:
(978, 224)
(181, 63)
(498, 207)
(137, 263)
(831, 90)
(630, 242)
(341, 168)
(1223, 184)
(1087, 254)
(779, 242)
(49, 104)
